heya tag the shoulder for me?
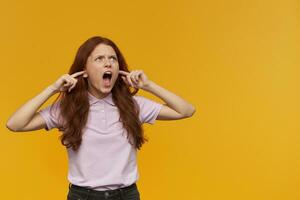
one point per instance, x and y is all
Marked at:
(141, 100)
(147, 104)
(148, 109)
(52, 109)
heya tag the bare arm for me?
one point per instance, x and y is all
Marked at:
(26, 117)
(175, 107)
(20, 118)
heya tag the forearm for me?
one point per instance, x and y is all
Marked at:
(26, 112)
(172, 100)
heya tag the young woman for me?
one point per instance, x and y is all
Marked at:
(101, 119)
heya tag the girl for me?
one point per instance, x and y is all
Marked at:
(101, 119)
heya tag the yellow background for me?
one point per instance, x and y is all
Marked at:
(236, 61)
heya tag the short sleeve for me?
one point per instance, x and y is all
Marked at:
(149, 109)
(50, 116)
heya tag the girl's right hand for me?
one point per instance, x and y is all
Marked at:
(65, 82)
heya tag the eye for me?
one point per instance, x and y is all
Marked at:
(113, 58)
(99, 58)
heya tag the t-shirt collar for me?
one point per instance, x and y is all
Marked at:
(108, 99)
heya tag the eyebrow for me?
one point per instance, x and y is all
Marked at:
(108, 56)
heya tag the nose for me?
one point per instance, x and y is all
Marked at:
(107, 63)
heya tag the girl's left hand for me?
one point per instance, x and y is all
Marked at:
(135, 78)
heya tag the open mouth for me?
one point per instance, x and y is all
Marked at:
(107, 78)
(107, 75)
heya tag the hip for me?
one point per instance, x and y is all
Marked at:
(82, 193)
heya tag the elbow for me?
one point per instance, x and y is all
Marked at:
(190, 112)
(11, 127)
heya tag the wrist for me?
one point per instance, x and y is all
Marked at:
(149, 86)
(51, 89)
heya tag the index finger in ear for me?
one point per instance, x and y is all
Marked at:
(77, 74)
(123, 73)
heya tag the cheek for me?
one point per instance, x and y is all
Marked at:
(94, 80)
(93, 75)
(116, 65)
(93, 69)
(93, 66)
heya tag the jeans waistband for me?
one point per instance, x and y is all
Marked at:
(105, 192)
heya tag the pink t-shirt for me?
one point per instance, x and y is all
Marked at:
(105, 159)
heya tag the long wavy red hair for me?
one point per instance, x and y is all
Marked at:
(74, 106)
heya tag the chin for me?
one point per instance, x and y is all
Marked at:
(106, 90)
(102, 89)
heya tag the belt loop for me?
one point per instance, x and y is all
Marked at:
(88, 194)
(121, 192)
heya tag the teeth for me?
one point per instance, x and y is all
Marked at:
(107, 74)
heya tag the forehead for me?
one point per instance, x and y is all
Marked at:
(103, 49)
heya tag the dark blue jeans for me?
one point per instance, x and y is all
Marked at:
(81, 193)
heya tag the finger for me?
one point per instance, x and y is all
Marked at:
(77, 74)
(137, 76)
(68, 81)
(74, 80)
(133, 77)
(67, 85)
(73, 85)
(129, 81)
(125, 80)
(123, 73)
(69, 90)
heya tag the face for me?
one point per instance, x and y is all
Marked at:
(102, 70)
